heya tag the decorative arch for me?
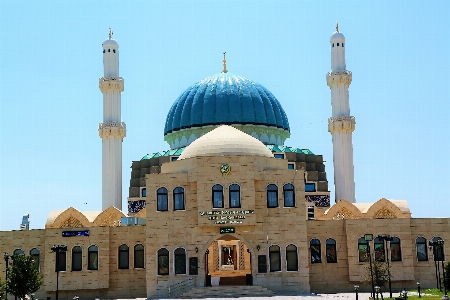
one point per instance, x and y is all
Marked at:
(343, 210)
(109, 217)
(70, 218)
(384, 209)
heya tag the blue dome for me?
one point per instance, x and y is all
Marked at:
(225, 99)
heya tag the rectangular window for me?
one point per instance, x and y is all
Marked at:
(291, 166)
(279, 155)
(311, 213)
(193, 265)
(310, 187)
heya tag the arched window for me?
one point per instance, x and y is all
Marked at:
(163, 261)
(235, 196)
(35, 254)
(19, 252)
(316, 256)
(363, 245)
(421, 249)
(330, 247)
(178, 198)
(180, 261)
(289, 195)
(124, 262)
(396, 250)
(217, 196)
(161, 199)
(378, 245)
(291, 258)
(438, 250)
(272, 195)
(275, 258)
(139, 256)
(93, 258)
(77, 258)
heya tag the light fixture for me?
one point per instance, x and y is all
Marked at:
(368, 237)
(196, 249)
(258, 247)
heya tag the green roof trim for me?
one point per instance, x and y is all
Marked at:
(272, 148)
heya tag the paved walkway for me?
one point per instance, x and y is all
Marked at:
(341, 296)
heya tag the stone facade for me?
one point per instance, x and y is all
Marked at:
(195, 230)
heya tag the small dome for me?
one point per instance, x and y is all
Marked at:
(225, 140)
(225, 99)
(337, 35)
(110, 42)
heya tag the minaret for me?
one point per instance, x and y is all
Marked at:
(341, 124)
(112, 130)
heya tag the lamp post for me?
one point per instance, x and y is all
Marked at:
(418, 288)
(356, 290)
(58, 249)
(387, 238)
(369, 237)
(377, 290)
(6, 256)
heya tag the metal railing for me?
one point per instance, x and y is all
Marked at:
(179, 288)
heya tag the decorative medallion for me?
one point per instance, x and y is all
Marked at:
(225, 169)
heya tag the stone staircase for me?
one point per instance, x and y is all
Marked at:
(227, 292)
(236, 280)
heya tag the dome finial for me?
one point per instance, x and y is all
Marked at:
(337, 27)
(110, 33)
(224, 63)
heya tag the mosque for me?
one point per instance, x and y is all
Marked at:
(228, 204)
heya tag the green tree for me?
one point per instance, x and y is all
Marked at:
(23, 276)
(447, 276)
(380, 272)
(2, 289)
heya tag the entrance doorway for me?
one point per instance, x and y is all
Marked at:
(228, 262)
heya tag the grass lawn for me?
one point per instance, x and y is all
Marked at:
(428, 294)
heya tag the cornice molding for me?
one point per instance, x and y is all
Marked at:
(112, 129)
(341, 124)
(339, 77)
(111, 83)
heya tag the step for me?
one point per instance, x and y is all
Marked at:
(227, 292)
(236, 280)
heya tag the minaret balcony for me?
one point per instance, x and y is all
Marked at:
(339, 77)
(110, 83)
(336, 124)
(112, 129)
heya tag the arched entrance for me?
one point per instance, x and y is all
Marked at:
(228, 262)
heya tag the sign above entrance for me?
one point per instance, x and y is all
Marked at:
(225, 217)
(227, 230)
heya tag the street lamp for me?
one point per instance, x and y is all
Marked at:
(6, 256)
(58, 249)
(377, 290)
(404, 294)
(387, 238)
(76, 297)
(367, 237)
(356, 290)
(438, 254)
(418, 288)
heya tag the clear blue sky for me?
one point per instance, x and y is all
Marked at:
(50, 103)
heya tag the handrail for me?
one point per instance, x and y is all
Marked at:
(179, 288)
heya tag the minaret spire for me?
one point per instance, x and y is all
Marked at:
(224, 63)
(341, 124)
(112, 130)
